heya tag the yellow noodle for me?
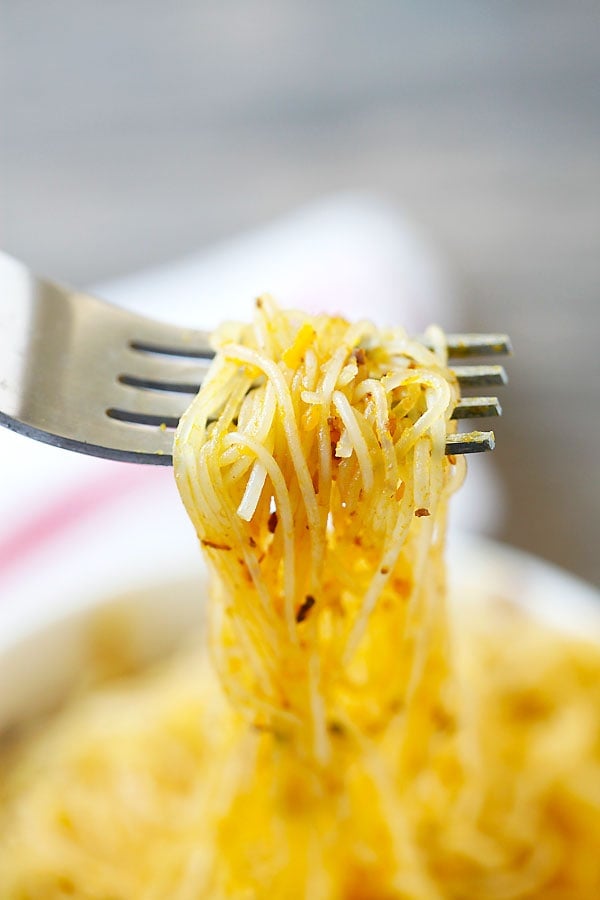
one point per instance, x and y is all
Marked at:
(361, 740)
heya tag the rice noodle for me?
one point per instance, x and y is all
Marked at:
(354, 746)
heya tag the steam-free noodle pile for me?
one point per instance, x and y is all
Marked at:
(358, 741)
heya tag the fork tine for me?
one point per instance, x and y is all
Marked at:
(168, 372)
(150, 336)
(146, 442)
(470, 442)
(169, 340)
(140, 442)
(161, 422)
(162, 386)
(141, 403)
(188, 345)
(164, 338)
(476, 407)
(476, 376)
(462, 345)
(162, 372)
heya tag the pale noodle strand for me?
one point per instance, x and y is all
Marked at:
(273, 372)
(285, 513)
(341, 403)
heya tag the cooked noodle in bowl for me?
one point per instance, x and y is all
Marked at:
(347, 734)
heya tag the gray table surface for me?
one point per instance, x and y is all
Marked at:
(134, 132)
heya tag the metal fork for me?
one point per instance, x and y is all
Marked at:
(82, 374)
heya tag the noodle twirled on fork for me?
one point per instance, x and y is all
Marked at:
(313, 466)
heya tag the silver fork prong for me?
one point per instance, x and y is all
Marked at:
(150, 384)
(179, 343)
(172, 373)
(176, 373)
(146, 405)
(140, 442)
(162, 442)
(478, 376)
(477, 408)
(168, 339)
(470, 442)
(462, 345)
(163, 338)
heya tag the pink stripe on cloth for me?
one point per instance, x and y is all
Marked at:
(62, 514)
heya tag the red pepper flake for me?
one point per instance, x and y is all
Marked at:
(261, 728)
(336, 728)
(451, 459)
(214, 545)
(360, 356)
(443, 719)
(272, 522)
(335, 428)
(421, 511)
(384, 570)
(402, 586)
(251, 541)
(305, 608)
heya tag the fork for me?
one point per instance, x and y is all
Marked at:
(85, 375)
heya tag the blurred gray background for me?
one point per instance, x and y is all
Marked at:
(134, 132)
